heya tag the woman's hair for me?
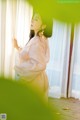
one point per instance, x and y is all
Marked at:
(31, 35)
(47, 30)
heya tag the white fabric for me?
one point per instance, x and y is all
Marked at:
(57, 68)
(14, 21)
(38, 52)
(74, 89)
(0, 37)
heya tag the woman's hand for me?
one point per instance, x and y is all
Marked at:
(15, 44)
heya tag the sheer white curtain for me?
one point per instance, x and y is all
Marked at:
(0, 36)
(14, 22)
(23, 20)
(74, 89)
(57, 68)
(15, 19)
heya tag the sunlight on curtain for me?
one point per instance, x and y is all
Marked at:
(57, 68)
(23, 20)
(15, 22)
(8, 39)
(0, 36)
(75, 66)
(2, 41)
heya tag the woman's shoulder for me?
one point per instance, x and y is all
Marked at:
(44, 39)
(38, 40)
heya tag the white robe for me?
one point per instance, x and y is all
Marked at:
(38, 51)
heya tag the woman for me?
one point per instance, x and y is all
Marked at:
(32, 59)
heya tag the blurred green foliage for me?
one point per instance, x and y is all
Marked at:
(63, 10)
(19, 102)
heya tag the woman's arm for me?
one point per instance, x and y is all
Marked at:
(23, 55)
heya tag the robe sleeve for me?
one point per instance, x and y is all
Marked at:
(23, 54)
(36, 63)
(38, 56)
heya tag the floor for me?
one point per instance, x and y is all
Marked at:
(67, 109)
